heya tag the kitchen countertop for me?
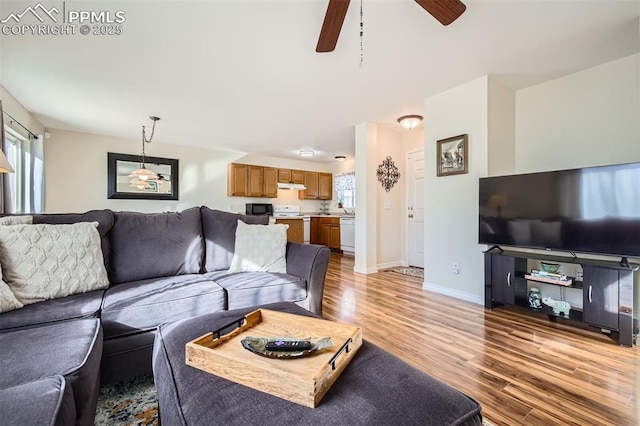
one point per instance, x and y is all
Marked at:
(314, 215)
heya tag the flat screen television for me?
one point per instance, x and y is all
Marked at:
(589, 210)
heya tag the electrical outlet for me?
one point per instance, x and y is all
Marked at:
(455, 268)
(579, 273)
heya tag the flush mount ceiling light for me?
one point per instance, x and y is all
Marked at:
(306, 153)
(410, 121)
(143, 174)
(340, 158)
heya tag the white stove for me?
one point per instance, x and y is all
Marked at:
(286, 210)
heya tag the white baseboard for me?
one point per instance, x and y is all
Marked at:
(469, 297)
(365, 271)
(390, 264)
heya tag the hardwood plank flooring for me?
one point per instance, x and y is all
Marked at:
(522, 369)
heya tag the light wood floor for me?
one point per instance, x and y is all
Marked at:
(521, 369)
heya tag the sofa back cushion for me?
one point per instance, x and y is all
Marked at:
(42, 262)
(219, 230)
(154, 245)
(103, 217)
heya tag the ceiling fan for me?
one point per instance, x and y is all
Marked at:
(445, 11)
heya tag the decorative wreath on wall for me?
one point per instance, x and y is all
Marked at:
(388, 174)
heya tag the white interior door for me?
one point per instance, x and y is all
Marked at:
(415, 208)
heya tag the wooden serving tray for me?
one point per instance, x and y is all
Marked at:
(301, 380)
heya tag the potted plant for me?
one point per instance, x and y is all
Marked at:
(339, 203)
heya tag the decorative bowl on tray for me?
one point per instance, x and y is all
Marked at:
(550, 267)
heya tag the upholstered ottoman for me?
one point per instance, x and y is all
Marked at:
(71, 349)
(46, 401)
(376, 388)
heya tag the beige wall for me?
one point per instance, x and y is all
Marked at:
(13, 107)
(451, 202)
(584, 119)
(76, 175)
(589, 118)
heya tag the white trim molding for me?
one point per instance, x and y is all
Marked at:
(365, 271)
(457, 294)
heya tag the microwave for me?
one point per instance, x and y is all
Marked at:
(259, 209)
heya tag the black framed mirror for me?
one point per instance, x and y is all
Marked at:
(119, 184)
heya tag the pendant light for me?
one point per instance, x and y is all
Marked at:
(142, 175)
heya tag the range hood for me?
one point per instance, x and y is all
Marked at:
(296, 186)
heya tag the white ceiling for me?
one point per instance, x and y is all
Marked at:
(244, 75)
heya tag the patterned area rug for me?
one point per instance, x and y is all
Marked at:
(134, 402)
(130, 402)
(408, 270)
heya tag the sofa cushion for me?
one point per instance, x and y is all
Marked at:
(260, 248)
(219, 229)
(154, 245)
(48, 401)
(77, 306)
(16, 220)
(70, 348)
(103, 217)
(142, 305)
(42, 262)
(8, 301)
(257, 288)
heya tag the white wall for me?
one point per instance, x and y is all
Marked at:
(451, 202)
(14, 108)
(390, 205)
(76, 175)
(502, 132)
(589, 118)
(366, 135)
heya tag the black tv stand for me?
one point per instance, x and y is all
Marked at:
(606, 308)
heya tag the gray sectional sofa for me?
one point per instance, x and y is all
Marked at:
(162, 267)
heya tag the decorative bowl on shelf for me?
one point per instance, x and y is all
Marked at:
(550, 267)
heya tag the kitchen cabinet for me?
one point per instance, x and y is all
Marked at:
(295, 232)
(237, 180)
(256, 181)
(290, 176)
(311, 182)
(244, 180)
(270, 182)
(327, 231)
(325, 186)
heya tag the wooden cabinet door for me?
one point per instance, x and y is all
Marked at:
(325, 234)
(237, 180)
(295, 232)
(503, 271)
(314, 237)
(325, 186)
(600, 296)
(334, 242)
(256, 181)
(297, 176)
(270, 182)
(311, 182)
(284, 175)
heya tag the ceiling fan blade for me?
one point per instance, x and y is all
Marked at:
(333, 19)
(445, 11)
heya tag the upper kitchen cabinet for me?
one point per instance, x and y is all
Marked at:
(256, 181)
(311, 182)
(270, 182)
(290, 176)
(237, 180)
(245, 180)
(325, 186)
(319, 186)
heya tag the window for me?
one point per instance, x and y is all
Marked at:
(26, 183)
(346, 189)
